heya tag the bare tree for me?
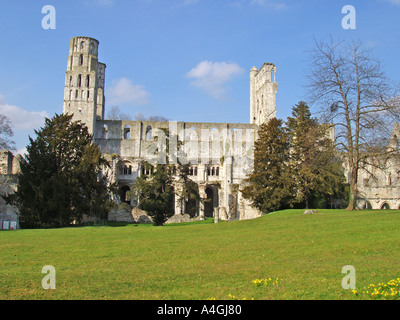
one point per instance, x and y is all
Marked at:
(351, 90)
(6, 133)
(116, 114)
(141, 117)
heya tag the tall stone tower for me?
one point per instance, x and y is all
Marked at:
(84, 82)
(263, 89)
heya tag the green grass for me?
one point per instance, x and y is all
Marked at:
(202, 260)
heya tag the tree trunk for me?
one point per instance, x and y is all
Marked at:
(353, 188)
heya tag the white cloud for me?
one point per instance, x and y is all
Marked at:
(124, 90)
(270, 4)
(396, 2)
(20, 118)
(212, 77)
(22, 152)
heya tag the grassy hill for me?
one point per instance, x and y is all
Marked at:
(203, 260)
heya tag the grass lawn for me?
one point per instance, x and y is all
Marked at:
(203, 260)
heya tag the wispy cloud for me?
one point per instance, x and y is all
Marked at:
(22, 119)
(212, 77)
(396, 2)
(269, 3)
(101, 3)
(123, 90)
(189, 2)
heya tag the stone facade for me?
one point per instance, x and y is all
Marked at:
(220, 154)
(379, 182)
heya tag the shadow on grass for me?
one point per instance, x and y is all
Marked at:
(102, 223)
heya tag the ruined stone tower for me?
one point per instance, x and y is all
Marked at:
(84, 82)
(263, 89)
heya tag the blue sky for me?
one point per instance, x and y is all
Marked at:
(186, 60)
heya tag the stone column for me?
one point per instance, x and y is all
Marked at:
(216, 214)
(242, 213)
(179, 201)
(202, 194)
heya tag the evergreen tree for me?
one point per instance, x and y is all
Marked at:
(317, 176)
(155, 193)
(61, 180)
(269, 187)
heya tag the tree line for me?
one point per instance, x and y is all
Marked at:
(297, 163)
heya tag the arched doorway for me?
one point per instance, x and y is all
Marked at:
(192, 201)
(211, 201)
(125, 194)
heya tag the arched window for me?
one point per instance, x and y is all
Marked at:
(81, 59)
(105, 131)
(367, 206)
(192, 134)
(87, 81)
(214, 134)
(148, 133)
(127, 132)
(82, 45)
(211, 171)
(79, 82)
(385, 206)
(126, 170)
(147, 170)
